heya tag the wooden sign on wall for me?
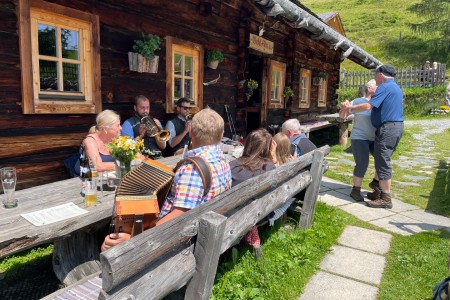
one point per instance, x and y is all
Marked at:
(260, 44)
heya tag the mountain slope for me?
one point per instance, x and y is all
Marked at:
(381, 28)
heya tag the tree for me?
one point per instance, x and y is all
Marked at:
(436, 25)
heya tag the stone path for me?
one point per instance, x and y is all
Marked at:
(354, 267)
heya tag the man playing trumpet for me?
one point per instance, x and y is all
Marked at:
(179, 127)
(133, 127)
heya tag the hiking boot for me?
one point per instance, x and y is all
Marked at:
(356, 194)
(374, 195)
(374, 184)
(383, 202)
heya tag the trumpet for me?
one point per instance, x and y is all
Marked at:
(189, 116)
(153, 130)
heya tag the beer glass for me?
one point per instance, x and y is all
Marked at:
(8, 178)
(90, 196)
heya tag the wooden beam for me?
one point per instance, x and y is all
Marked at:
(207, 251)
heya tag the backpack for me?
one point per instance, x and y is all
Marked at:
(441, 290)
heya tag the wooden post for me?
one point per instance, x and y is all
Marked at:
(207, 251)
(76, 257)
(343, 133)
(312, 191)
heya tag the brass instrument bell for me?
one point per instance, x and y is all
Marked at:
(153, 130)
(189, 116)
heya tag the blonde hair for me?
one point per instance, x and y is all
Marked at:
(207, 127)
(104, 119)
(283, 151)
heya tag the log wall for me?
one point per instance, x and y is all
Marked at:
(38, 144)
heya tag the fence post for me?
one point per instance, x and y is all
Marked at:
(207, 251)
(312, 191)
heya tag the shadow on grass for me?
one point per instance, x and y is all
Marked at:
(439, 198)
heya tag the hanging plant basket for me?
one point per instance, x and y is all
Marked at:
(213, 64)
(139, 63)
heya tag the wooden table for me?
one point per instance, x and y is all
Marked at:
(342, 125)
(76, 251)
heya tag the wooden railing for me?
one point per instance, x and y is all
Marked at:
(406, 77)
(163, 259)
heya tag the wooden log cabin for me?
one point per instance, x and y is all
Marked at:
(85, 45)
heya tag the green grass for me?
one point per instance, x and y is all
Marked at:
(381, 28)
(12, 264)
(291, 257)
(415, 264)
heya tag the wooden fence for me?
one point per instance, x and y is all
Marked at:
(406, 77)
(163, 259)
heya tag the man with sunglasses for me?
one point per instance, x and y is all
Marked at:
(179, 127)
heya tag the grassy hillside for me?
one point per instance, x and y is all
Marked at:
(381, 28)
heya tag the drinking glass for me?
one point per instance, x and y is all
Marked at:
(8, 178)
(90, 196)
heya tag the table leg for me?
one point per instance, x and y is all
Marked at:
(343, 133)
(76, 257)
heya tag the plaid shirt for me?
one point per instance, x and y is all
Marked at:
(187, 186)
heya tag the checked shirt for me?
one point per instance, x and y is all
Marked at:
(187, 187)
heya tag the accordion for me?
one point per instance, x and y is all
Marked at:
(139, 195)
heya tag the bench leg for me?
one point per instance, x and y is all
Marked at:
(76, 257)
(343, 133)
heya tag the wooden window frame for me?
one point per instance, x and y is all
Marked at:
(305, 103)
(91, 74)
(184, 47)
(280, 67)
(322, 93)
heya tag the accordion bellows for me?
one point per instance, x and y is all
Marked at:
(140, 194)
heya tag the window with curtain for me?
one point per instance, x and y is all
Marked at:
(276, 84)
(305, 88)
(184, 73)
(322, 94)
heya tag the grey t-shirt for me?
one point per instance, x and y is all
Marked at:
(362, 126)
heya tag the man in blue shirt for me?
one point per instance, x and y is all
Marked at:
(133, 128)
(387, 118)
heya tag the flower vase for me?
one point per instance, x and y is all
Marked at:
(122, 168)
(213, 64)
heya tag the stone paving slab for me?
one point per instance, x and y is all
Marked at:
(428, 217)
(403, 225)
(331, 287)
(365, 213)
(334, 198)
(400, 206)
(365, 239)
(356, 264)
(333, 184)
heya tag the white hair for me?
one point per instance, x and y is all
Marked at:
(291, 124)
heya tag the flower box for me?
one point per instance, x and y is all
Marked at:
(139, 63)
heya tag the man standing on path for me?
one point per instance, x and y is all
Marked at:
(387, 118)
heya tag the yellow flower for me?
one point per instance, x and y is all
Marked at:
(125, 148)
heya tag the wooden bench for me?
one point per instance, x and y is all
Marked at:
(163, 259)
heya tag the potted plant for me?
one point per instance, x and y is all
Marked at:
(144, 59)
(288, 92)
(251, 86)
(214, 55)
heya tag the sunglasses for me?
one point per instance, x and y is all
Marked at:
(185, 107)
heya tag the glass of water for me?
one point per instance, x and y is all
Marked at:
(9, 179)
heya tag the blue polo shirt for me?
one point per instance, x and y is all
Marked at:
(387, 104)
